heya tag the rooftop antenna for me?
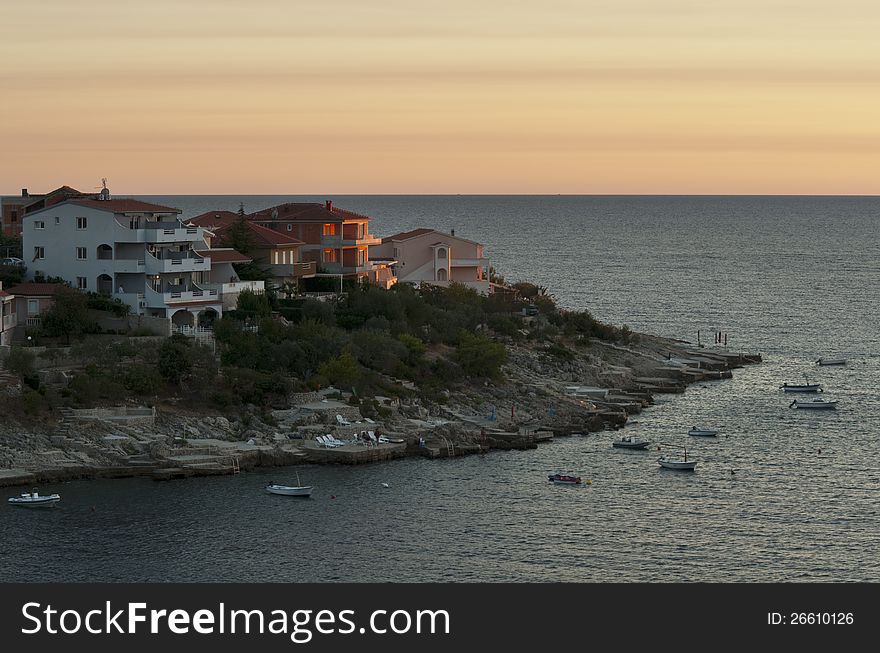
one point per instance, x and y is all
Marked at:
(105, 192)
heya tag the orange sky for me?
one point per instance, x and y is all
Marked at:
(402, 96)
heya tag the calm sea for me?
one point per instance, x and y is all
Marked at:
(793, 278)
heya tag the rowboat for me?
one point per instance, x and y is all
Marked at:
(564, 479)
(290, 490)
(681, 464)
(801, 387)
(816, 404)
(831, 361)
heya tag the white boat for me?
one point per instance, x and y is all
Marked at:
(34, 500)
(630, 442)
(831, 361)
(801, 387)
(567, 478)
(703, 431)
(681, 464)
(290, 490)
(816, 404)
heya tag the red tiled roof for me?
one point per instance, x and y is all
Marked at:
(226, 255)
(35, 289)
(124, 206)
(214, 219)
(307, 212)
(263, 236)
(406, 235)
(3, 293)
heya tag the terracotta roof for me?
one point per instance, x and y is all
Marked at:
(307, 212)
(35, 289)
(124, 206)
(406, 235)
(263, 236)
(3, 293)
(225, 255)
(214, 219)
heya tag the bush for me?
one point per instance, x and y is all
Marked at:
(20, 361)
(343, 370)
(479, 356)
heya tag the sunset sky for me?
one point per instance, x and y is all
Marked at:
(460, 96)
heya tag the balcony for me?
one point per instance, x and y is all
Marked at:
(168, 231)
(347, 241)
(235, 287)
(180, 295)
(8, 321)
(123, 265)
(176, 262)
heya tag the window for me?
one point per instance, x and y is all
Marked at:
(82, 283)
(33, 307)
(81, 223)
(441, 253)
(80, 253)
(57, 220)
(289, 227)
(329, 229)
(14, 215)
(39, 224)
(39, 253)
(328, 256)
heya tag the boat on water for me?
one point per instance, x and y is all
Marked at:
(630, 442)
(680, 463)
(703, 431)
(561, 478)
(831, 361)
(297, 490)
(801, 387)
(815, 404)
(34, 500)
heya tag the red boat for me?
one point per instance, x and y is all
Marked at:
(564, 479)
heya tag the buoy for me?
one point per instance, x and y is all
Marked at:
(385, 485)
(332, 496)
(589, 482)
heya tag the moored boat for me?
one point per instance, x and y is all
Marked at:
(831, 361)
(815, 404)
(630, 442)
(34, 500)
(290, 490)
(678, 463)
(564, 478)
(801, 387)
(703, 431)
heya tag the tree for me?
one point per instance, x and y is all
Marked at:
(175, 359)
(69, 314)
(253, 304)
(479, 356)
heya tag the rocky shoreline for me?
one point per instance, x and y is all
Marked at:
(592, 387)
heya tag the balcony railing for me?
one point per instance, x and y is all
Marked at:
(176, 262)
(8, 321)
(179, 294)
(235, 287)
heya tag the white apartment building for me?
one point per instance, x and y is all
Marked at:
(137, 252)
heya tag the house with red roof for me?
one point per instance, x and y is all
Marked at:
(135, 251)
(14, 207)
(431, 256)
(276, 252)
(336, 240)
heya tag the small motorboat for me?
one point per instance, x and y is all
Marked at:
(630, 442)
(34, 500)
(831, 361)
(801, 387)
(564, 479)
(703, 431)
(815, 404)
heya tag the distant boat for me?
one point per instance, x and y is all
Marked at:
(290, 490)
(564, 479)
(681, 464)
(703, 431)
(831, 361)
(34, 500)
(816, 404)
(630, 442)
(801, 387)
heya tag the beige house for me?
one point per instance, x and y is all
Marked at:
(430, 256)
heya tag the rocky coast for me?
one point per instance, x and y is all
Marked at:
(594, 385)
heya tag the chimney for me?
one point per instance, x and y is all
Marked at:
(24, 192)
(329, 205)
(452, 233)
